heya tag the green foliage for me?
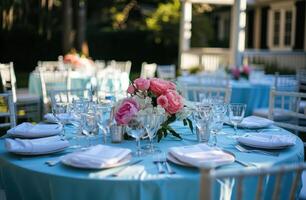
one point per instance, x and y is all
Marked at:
(164, 21)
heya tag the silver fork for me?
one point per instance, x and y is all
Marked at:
(163, 159)
(244, 150)
(158, 163)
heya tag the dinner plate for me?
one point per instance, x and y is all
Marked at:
(265, 143)
(38, 153)
(252, 122)
(177, 161)
(65, 160)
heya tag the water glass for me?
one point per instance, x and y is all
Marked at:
(136, 130)
(202, 117)
(60, 112)
(236, 114)
(103, 117)
(218, 116)
(89, 125)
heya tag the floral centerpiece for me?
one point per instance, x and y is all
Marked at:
(244, 71)
(77, 61)
(147, 95)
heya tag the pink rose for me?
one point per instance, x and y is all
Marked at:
(162, 101)
(159, 86)
(126, 111)
(142, 84)
(131, 89)
(175, 102)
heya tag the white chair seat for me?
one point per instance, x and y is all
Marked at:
(279, 114)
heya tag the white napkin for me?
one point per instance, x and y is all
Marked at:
(255, 122)
(201, 155)
(28, 130)
(49, 117)
(97, 157)
(268, 140)
(35, 146)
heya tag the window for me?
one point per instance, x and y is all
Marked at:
(281, 26)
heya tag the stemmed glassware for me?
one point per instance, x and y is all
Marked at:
(218, 116)
(151, 124)
(59, 111)
(103, 117)
(236, 114)
(202, 116)
(136, 130)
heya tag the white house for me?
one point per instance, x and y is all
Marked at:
(260, 31)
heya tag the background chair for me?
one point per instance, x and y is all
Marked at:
(57, 80)
(7, 112)
(285, 103)
(123, 66)
(28, 105)
(275, 178)
(281, 83)
(166, 72)
(68, 96)
(148, 70)
(195, 93)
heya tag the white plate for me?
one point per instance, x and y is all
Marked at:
(175, 160)
(261, 123)
(66, 161)
(264, 144)
(38, 153)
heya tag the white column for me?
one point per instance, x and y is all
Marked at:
(257, 28)
(238, 31)
(185, 28)
(305, 32)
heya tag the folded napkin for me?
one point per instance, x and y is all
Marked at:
(49, 117)
(268, 140)
(98, 157)
(255, 122)
(201, 155)
(35, 146)
(28, 130)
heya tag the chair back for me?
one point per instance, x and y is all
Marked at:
(287, 104)
(301, 77)
(274, 178)
(166, 72)
(67, 96)
(8, 110)
(148, 70)
(55, 80)
(8, 79)
(123, 66)
(196, 92)
(286, 83)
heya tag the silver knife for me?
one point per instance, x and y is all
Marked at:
(117, 173)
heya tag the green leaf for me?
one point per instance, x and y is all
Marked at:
(190, 124)
(185, 122)
(175, 134)
(159, 134)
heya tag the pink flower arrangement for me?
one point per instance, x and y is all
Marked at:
(150, 94)
(241, 72)
(77, 61)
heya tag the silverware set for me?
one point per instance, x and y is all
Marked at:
(245, 150)
(160, 160)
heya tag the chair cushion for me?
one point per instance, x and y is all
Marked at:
(27, 98)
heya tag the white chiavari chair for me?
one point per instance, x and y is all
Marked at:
(148, 70)
(196, 92)
(287, 104)
(8, 111)
(284, 182)
(29, 105)
(67, 96)
(281, 83)
(166, 72)
(123, 66)
(57, 80)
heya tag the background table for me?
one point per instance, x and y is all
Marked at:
(254, 95)
(26, 177)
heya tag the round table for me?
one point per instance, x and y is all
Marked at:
(28, 177)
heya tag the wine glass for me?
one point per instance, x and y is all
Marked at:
(151, 124)
(59, 111)
(136, 130)
(236, 114)
(103, 115)
(218, 115)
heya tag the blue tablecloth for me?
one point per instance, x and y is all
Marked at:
(27, 177)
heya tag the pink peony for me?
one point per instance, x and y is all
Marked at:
(159, 86)
(246, 69)
(175, 102)
(126, 111)
(236, 73)
(142, 84)
(131, 89)
(162, 101)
